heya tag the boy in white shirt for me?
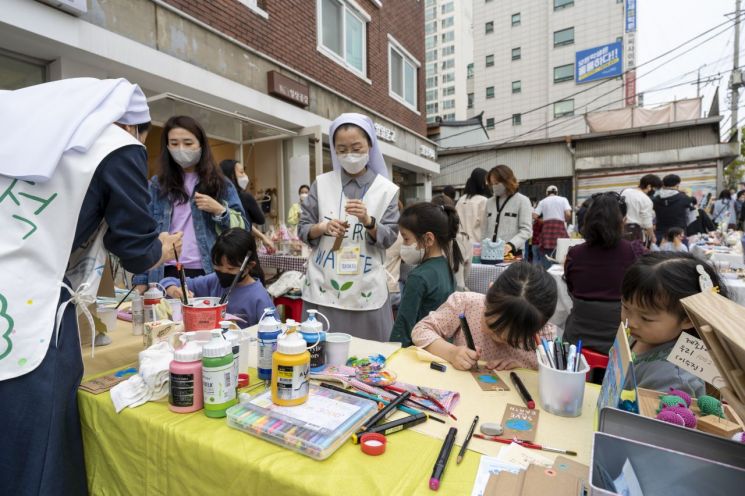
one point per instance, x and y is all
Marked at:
(639, 224)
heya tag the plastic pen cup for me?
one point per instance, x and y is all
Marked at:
(337, 348)
(107, 316)
(176, 314)
(562, 392)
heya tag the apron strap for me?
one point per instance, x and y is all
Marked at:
(81, 300)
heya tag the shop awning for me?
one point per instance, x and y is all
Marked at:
(230, 126)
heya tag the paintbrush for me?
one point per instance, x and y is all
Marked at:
(525, 444)
(125, 297)
(237, 277)
(182, 278)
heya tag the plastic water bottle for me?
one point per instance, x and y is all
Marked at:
(138, 316)
(153, 297)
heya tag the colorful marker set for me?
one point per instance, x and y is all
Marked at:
(315, 429)
(560, 356)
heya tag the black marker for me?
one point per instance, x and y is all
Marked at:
(392, 426)
(383, 412)
(442, 459)
(467, 331)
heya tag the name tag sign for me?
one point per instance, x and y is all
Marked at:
(349, 260)
(691, 355)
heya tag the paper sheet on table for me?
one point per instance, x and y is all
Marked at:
(558, 432)
(489, 466)
(523, 457)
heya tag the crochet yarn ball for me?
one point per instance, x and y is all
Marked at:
(681, 394)
(671, 417)
(670, 400)
(739, 437)
(688, 416)
(710, 406)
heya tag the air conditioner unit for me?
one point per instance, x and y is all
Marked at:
(74, 7)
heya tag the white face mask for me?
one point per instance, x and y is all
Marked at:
(185, 157)
(303, 197)
(243, 182)
(498, 189)
(353, 163)
(412, 255)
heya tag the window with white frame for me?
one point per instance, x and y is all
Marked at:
(489, 27)
(564, 37)
(431, 82)
(430, 13)
(256, 6)
(470, 100)
(448, 7)
(517, 86)
(563, 73)
(564, 108)
(489, 61)
(449, 91)
(431, 108)
(430, 41)
(516, 53)
(448, 37)
(343, 33)
(431, 68)
(489, 92)
(448, 104)
(431, 55)
(517, 119)
(516, 19)
(490, 123)
(448, 64)
(402, 74)
(430, 27)
(448, 22)
(448, 78)
(448, 50)
(562, 4)
(431, 95)
(469, 71)
(448, 117)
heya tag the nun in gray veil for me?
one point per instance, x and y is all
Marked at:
(349, 219)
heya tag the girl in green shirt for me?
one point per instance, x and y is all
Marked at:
(428, 233)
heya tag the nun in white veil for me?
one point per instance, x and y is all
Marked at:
(349, 219)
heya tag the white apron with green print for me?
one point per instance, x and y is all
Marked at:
(352, 278)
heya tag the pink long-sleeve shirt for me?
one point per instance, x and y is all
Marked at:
(444, 323)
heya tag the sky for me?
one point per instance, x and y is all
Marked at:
(663, 25)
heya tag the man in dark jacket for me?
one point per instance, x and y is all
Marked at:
(671, 206)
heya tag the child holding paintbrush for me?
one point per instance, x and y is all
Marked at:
(248, 298)
(504, 323)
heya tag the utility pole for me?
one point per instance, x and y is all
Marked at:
(736, 79)
(698, 83)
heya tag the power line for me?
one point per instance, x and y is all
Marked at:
(606, 81)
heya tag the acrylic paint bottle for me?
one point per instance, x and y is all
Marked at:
(233, 337)
(315, 337)
(138, 316)
(269, 329)
(290, 371)
(217, 376)
(185, 394)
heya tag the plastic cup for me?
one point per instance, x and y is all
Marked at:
(107, 316)
(176, 314)
(562, 392)
(337, 348)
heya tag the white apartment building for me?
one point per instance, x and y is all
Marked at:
(448, 31)
(525, 54)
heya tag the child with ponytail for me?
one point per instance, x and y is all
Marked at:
(428, 233)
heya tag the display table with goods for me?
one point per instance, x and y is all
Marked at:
(152, 450)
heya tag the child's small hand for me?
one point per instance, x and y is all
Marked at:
(464, 358)
(177, 293)
(503, 364)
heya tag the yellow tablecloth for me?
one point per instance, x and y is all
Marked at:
(122, 351)
(149, 450)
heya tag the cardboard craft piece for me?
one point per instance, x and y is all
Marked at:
(488, 380)
(520, 422)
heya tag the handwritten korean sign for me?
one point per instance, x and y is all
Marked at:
(691, 355)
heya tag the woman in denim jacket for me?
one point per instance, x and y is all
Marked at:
(190, 195)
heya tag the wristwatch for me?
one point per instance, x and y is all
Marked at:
(371, 224)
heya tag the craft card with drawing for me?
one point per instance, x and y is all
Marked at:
(520, 422)
(488, 380)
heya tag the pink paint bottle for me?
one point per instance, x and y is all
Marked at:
(185, 393)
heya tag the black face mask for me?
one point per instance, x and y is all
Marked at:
(226, 279)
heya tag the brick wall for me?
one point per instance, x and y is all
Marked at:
(289, 35)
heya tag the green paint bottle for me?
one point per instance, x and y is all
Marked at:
(217, 376)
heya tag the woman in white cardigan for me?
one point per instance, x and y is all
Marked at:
(507, 214)
(471, 205)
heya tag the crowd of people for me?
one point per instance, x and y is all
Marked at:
(201, 216)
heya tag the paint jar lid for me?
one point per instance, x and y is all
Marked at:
(190, 352)
(242, 380)
(291, 344)
(373, 443)
(217, 347)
